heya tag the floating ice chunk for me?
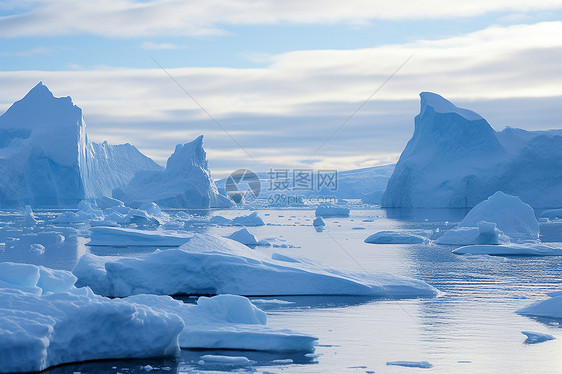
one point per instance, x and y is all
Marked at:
(108, 202)
(318, 222)
(395, 237)
(523, 249)
(220, 220)
(37, 248)
(330, 210)
(536, 337)
(152, 209)
(226, 322)
(250, 220)
(226, 360)
(28, 216)
(552, 214)
(411, 364)
(550, 308)
(208, 264)
(125, 237)
(244, 236)
(513, 219)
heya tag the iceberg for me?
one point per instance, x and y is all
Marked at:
(185, 183)
(536, 337)
(455, 159)
(498, 220)
(330, 210)
(47, 161)
(209, 265)
(250, 220)
(396, 237)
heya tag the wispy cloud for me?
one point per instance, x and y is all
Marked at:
(127, 18)
(302, 96)
(28, 52)
(160, 46)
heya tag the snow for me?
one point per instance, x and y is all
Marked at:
(536, 337)
(185, 183)
(456, 159)
(126, 237)
(210, 264)
(514, 249)
(499, 219)
(395, 237)
(411, 364)
(45, 137)
(250, 220)
(244, 236)
(330, 210)
(549, 308)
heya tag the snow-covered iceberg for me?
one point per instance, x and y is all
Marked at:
(456, 159)
(331, 210)
(185, 183)
(210, 264)
(46, 159)
(549, 308)
(497, 220)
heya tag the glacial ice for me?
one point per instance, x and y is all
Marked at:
(185, 183)
(511, 249)
(128, 237)
(210, 264)
(549, 308)
(244, 236)
(498, 220)
(251, 219)
(330, 210)
(455, 159)
(395, 237)
(46, 159)
(536, 337)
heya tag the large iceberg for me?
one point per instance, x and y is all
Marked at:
(456, 159)
(46, 159)
(185, 183)
(209, 265)
(500, 219)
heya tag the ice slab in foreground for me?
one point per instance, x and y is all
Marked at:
(244, 236)
(125, 237)
(523, 249)
(499, 219)
(210, 264)
(549, 308)
(411, 364)
(46, 321)
(396, 237)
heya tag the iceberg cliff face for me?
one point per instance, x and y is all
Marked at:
(185, 183)
(456, 159)
(46, 159)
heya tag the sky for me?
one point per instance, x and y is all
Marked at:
(283, 84)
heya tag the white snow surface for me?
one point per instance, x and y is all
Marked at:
(499, 219)
(210, 264)
(456, 159)
(185, 183)
(46, 159)
(396, 237)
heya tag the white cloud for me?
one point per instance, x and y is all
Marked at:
(293, 104)
(127, 18)
(160, 46)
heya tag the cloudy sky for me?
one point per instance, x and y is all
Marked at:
(270, 83)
